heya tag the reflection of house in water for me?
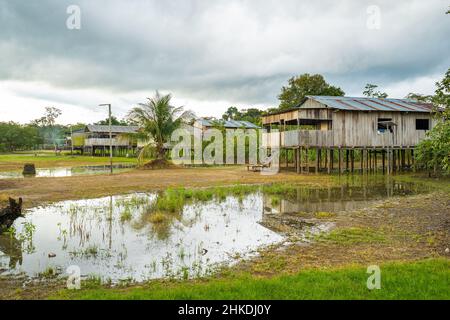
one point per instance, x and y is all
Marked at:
(334, 199)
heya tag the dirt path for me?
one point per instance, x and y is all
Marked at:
(37, 191)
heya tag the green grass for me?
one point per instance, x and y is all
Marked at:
(427, 279)
(44, 159)
(353, 235)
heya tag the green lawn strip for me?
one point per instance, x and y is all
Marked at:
(49, 160)
(427, 279)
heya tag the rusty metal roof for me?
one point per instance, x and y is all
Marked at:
(114, 129)
(372, 104)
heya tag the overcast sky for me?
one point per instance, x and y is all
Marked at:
(210, 54)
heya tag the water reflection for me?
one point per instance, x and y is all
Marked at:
(123, 237)
(353, 193)
(68, 171)
(100, 237)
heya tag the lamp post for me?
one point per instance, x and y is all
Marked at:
(110, 136)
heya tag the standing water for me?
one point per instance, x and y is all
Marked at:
(126, 238)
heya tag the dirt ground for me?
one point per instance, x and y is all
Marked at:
(398, 229)
(38, 191)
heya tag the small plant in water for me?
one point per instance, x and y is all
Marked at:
(157, 218)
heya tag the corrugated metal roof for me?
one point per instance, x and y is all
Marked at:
(228, 123)
(115, 129)
(372, 104)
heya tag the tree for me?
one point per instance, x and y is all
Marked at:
(232, 113)
(49, 118)
(304, 85)
(252, 115)
(114, 122)
(434, 151)
(369, 91)
(420, 97)
(48, 130)
(14, 136)
(157, 119)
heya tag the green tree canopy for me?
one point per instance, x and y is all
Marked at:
(301, 86)
(114, 122)
(14, 136)
(434, 151)
(369, 91)
(157, 119)
(252, 115)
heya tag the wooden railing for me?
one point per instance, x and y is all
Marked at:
(94, 142)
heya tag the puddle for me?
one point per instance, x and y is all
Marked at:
(352, 194)
(115, 239)
(122, 238)
(68, 171)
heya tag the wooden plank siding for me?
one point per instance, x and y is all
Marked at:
(351, 129)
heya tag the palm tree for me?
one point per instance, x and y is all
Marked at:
(157, 119)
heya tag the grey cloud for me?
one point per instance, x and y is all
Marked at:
(232, 50)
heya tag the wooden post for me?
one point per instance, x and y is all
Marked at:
(361, 160)
(375, 164)
(297, 160)
(383, 159)
(307, 159)
(340, 159)
(300, 155)
(353, 159)
(413, 160)
(367, 160)
(330, 160)
(346, 160)
(317, 160)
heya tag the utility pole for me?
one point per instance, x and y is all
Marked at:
(71, 140)
(110, 136)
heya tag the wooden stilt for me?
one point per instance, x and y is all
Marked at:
(340, 160)
(317, 160)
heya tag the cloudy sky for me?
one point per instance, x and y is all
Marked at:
(210, 54)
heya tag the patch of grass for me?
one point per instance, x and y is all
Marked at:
(428, 279)
(353, 235)
(324, 215)
(126, 215)
(157, 218)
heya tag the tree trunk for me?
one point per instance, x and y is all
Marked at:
(9, 214)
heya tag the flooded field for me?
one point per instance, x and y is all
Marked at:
(68, 171)
(179, 233)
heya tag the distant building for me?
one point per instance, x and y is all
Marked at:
(94, 139)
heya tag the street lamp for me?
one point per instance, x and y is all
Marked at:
(110, 136)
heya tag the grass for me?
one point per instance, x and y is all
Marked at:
(15, 161)
(157, 218)
(427, 279)
(353, 235)
(324, 215)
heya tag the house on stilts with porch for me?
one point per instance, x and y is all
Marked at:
(327, 133)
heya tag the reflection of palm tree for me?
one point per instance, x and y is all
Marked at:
(12, 248)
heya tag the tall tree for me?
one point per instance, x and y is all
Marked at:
(369, 91)
(301, 86)
(434, 151)
(114, 122)
(420, 97)
(157, 119)
(252, 115)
